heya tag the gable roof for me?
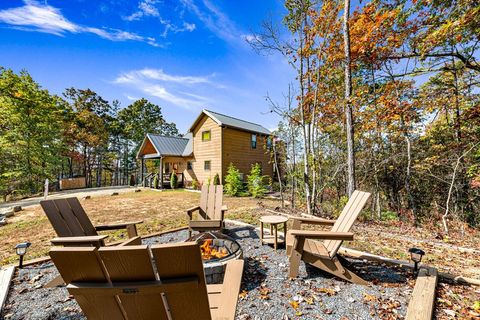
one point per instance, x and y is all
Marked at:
(224, 120)
(168, 146)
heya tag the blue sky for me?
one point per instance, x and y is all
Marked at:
(184, 55)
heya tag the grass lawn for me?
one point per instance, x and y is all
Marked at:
(159, 211)
(166, 210)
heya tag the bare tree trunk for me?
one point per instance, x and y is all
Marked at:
(348, 102)
(450, 189)
(275, 159)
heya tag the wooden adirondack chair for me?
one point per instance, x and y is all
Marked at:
(211, 211)
(74, 228)
(125, 283)
(304, 245)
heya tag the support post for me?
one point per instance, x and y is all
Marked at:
(141, 171)
(161, 172)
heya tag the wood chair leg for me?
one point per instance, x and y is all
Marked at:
(335, 267)
(296, 257)
(55, 282)
(132, 230)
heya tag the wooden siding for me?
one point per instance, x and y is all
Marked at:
(237, 149)
(181, 163)
(207, 150)
(148, 149)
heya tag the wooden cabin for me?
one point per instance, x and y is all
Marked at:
(213, 142)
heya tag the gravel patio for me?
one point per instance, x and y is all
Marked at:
(266, 292)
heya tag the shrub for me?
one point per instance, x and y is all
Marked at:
(216, 180)
(173, 180)
(389, 216)
(155, 182)
(195, 184)
(233, 182)
(255, 182)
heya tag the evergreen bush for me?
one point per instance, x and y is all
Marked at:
(173, 180)
(216, 180)
(233, 182)
(255, 182)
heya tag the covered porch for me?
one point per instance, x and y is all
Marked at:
(161, 156)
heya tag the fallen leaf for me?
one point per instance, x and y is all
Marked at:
(294, 304)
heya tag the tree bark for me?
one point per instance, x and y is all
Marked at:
(348, 102)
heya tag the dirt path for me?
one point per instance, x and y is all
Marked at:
(79, 193)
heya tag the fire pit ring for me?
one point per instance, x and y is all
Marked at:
(217, 250)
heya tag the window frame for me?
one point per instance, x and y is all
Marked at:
(209, 135)
(253, 142)
(209, 165)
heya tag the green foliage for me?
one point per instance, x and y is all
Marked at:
(255, 182)
(32, 126)
(155, 182)
(173, 180)
(233, 181)
(195, 184)
(216, 180)
(389, 216)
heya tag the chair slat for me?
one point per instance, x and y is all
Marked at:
(69, 217)
(345, 221)
(82, 217)
(130, 264)
(218, 202)
(211, 202)
(204, 198)
(55, 218)
(177, 260)
(84, 265)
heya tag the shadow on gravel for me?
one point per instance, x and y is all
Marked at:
(254, 274)
(370, 271)
(242, 233)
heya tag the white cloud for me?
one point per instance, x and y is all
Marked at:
(146, 8)
(214, 19)
(180, 90)
(34, 16)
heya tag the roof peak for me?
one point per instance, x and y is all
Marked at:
(226, 115)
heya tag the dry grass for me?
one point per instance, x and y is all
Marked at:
(159, 211)
(166, 210)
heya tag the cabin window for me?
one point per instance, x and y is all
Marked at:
(254, 141)
(167, 167)
(269, 143)
(189, 165)
(206, 135)
(207, 165)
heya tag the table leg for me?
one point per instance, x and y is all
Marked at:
(275, 226)
(271, 229)
(261, 231)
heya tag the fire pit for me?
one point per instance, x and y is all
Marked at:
(217, 249)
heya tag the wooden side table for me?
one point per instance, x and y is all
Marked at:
(273, 238)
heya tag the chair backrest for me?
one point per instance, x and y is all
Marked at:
(121, 282)
(211, 201)
(68, 217)
(346, 219)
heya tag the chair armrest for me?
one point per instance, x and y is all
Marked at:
(190, 211)
(205, 224)
(116, 226)
(224, 207)
(325, 235)
(319, 221)
(82, 241)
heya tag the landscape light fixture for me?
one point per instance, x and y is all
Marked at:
(416, 256)
(21, 249)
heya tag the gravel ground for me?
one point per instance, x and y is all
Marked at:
(266, 292)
